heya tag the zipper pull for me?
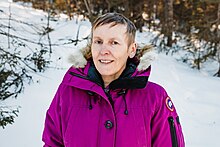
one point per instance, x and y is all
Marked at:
(106, 90)
(171, 120)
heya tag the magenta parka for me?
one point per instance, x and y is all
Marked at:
(130, 112)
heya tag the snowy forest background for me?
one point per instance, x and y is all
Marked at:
(36, 37)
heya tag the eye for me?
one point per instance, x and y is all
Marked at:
(114, 43)
(97, 42)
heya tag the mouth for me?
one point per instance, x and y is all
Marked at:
(105, 61)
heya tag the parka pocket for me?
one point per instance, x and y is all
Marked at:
(173, 132)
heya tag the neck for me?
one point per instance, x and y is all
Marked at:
(108, 79)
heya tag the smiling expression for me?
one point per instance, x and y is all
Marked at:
(110, 50)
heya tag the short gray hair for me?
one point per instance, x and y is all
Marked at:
(116, 18)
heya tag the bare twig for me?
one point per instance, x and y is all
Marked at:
(9, 24)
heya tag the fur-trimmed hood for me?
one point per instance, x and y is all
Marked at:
(144, 57)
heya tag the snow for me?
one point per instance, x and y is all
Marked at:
(195, 94)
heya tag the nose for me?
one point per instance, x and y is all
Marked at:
(104, 49)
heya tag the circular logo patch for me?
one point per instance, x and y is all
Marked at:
(169, 104)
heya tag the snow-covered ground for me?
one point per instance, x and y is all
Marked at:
(196, 96)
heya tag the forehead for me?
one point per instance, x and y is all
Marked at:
(110, 30)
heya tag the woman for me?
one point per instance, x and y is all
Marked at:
(105, 98)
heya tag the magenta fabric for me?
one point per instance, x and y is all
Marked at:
(70, 122)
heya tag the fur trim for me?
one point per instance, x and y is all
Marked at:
(145, 55)
(77, 59)
(146, 60)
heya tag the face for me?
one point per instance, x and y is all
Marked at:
(110, 50)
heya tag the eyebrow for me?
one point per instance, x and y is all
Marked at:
(114, 38)
(96, 37)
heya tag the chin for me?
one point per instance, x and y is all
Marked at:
(105, 73)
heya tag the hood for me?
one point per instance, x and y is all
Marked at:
(143, 58)
(135, 75)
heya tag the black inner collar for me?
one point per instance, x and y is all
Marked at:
(125, 81)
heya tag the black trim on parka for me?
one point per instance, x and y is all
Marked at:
(125, 81)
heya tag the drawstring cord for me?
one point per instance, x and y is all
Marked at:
(123, 93)
(126, 107)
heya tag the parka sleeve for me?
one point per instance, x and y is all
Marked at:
(52, 134)
(165, 125)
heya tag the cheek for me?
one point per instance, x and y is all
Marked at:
(122, 60)
(94, 52)
(122, 55)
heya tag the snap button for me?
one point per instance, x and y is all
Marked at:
(108, 124)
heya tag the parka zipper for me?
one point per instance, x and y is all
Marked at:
(173, 132)
(107, 92)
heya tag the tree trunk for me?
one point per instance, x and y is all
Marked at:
(109, 5)
(67, 2)
(218, 22)
(127, 13)
(88, 7)
(218, 36)
(168, 21)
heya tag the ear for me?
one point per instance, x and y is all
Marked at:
(132, 50)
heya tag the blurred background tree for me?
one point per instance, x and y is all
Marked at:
(194, 21)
